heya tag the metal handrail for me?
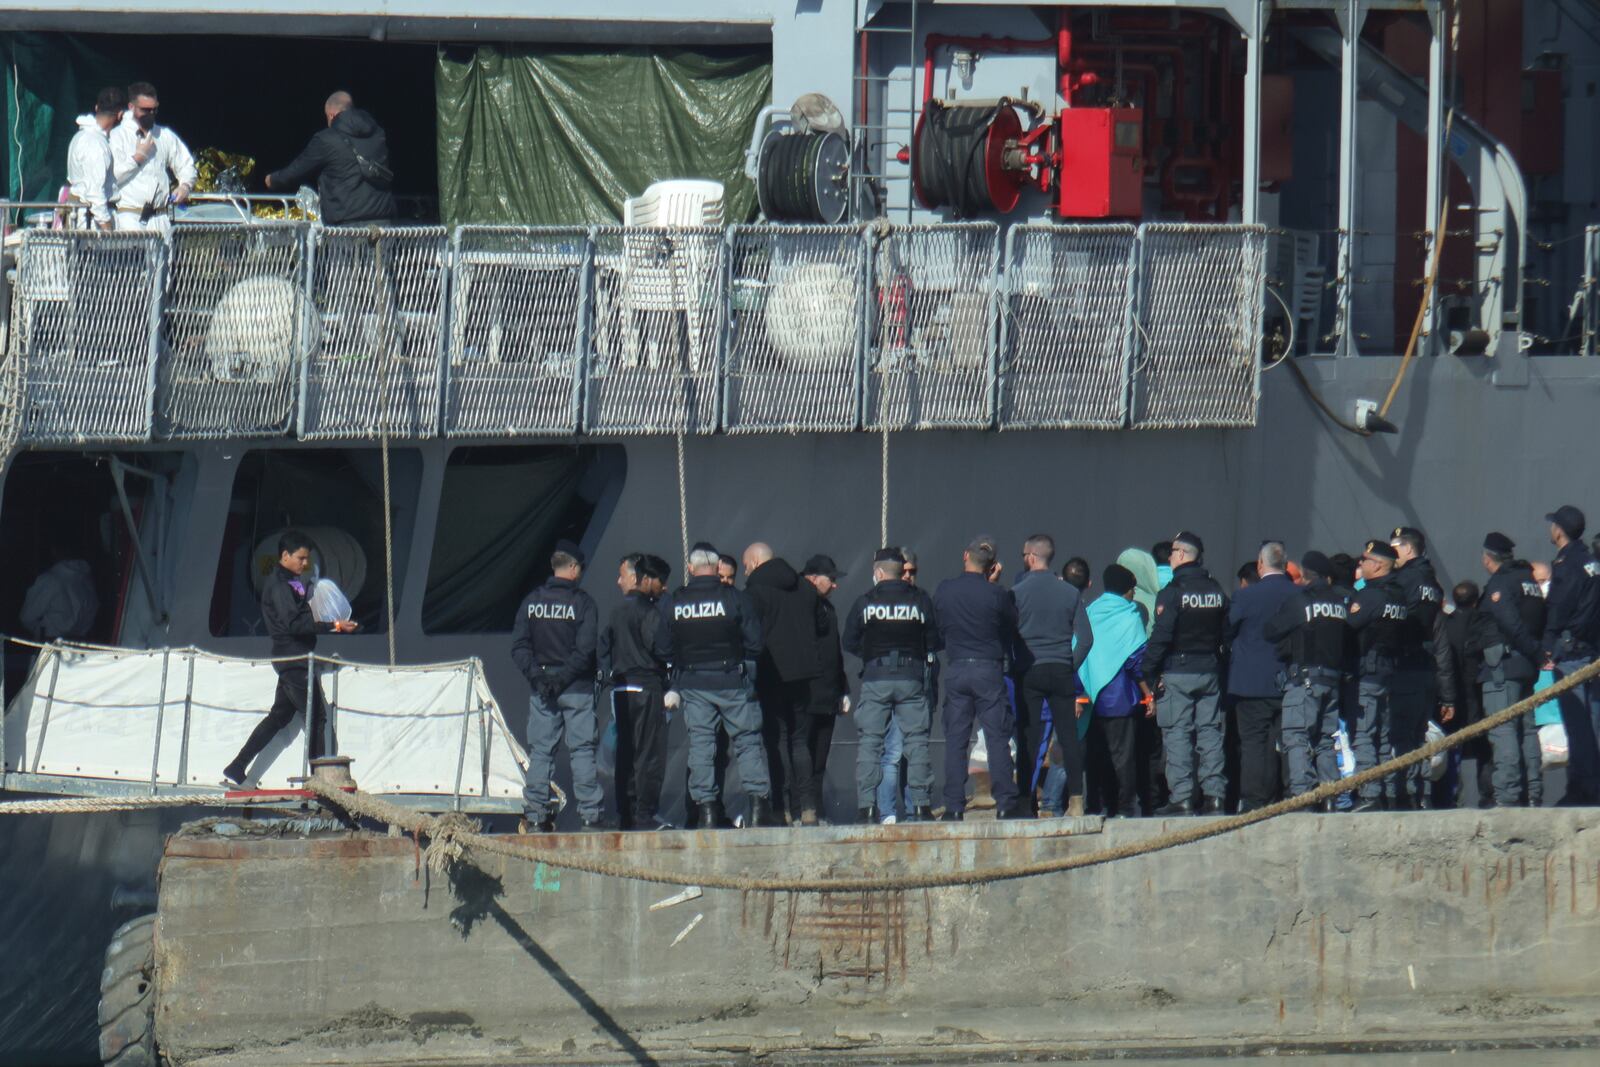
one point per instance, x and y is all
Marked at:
(955, 317)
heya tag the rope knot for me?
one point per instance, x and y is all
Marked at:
(448, 840)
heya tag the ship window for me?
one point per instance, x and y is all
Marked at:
(501, 511)
(336, 497)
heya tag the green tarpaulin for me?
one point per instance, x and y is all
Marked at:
(544, 135)
(51, 78)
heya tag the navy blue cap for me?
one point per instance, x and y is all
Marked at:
(1382, 550)
(1569, 518)
(823, 565)
(1499, 544)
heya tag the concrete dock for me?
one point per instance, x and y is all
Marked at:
(1308, 931)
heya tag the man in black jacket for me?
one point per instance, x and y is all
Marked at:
(348, 160)
(830, 693)
(1311, 627)
(286, 610)
(638, 686)
(1511, 657)
(792, 621)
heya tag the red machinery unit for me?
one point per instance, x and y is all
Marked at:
(1101, 173)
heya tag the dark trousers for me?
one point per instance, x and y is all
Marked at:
(1113, 743)
(287, 702)
(785, 723)
(819, 740)
(975, 694)
(1260, 719)
(1057, 683)
(1151, 759)
(641, 752)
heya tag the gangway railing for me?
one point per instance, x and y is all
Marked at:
(266, 328)
(93, 720)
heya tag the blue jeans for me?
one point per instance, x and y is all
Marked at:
(889, 785)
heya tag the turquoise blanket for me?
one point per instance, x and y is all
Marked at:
(1118, 633)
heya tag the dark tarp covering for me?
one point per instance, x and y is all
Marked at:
(498, 521)
(545, 135)
(51, 79)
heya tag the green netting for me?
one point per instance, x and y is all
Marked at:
(545, 135)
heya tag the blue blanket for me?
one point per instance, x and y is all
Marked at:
(1118, 633)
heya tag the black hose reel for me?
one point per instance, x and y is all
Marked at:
(804, 177)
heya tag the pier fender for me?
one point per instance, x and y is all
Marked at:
(127, 996)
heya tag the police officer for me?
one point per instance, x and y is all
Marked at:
(892, 627)
(638, 688)
(1513, 606)
(711, 635)
(1380, 619)
(1571, 637)
(1411, 693)
(1184, 660)
(1312, 626)
(978, 622)
(553, 644)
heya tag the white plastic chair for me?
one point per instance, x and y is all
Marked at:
(669, 274)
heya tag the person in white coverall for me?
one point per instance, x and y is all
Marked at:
(146, 160)
(90, 185)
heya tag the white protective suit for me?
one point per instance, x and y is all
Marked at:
(61, 602)
(143, 188)
(89, 177)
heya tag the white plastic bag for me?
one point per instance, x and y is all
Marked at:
(328, 602)
(1346, 754)
(1439, 762)
(1553, 745)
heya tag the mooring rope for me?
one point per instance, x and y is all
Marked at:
(454, 838)
(96, 805)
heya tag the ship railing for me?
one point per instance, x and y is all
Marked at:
(222, 331)
(93, 720)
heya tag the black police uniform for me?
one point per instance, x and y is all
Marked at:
(892, 627)
(711, 635)
(1380, 619)
(1411, 690)
(1514, 604)
(1312, 627)
(1571, 639)
(553, 640)
(1184, 657)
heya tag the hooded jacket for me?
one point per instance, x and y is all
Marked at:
(348, 196)
(286, 610)
(89, 169)
(792, 623)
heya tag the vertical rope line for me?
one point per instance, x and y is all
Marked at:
(883, 481)
(383, 434)
(683, 504)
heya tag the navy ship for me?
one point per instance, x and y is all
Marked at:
(824, 274)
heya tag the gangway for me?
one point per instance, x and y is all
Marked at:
(94, 720)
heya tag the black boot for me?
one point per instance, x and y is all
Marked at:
(233, 775)
(869, 815)
(920, 813)
(950, 816)
(710, 816)
(1175, 808)
(1213, 806)
(760, 812)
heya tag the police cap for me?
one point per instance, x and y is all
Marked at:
(1184, 537)
(823, 565)
(1382, 550)
(1411, 536)
(571, 549)
(1569, 518)
(1498, 544)
(1315, 562)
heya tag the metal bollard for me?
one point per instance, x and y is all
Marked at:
(334, 771)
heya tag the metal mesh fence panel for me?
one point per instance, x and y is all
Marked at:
(517, 301)
(234, 331)
(86, 317)
(932, 356)
(1199, 325)
(1066, 331)
(794, 336)
(659, 311)
(380, 298)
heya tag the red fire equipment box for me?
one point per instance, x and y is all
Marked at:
(1102, 163)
